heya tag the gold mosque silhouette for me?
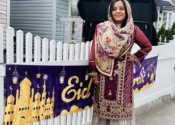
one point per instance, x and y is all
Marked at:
(26, 110)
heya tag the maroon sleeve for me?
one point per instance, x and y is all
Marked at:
(144, 44)
(92, 67)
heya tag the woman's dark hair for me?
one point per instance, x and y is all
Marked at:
(111, 9)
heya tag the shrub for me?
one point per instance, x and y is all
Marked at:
(162, 33)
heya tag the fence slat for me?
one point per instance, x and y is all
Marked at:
(74, 119)
(37, 49)
(87, 50)
(10, 47)
(2, 74)
(1, 44)
(2, 98)
(82, 54)
(59, 51)
(63, 120)
(29, 47)
(69, 119)
(50, 121)
(89, 115)
(77, 51)
(79, 121)
(19, 46)
(52, 50)
(57, 121)
(36, 123)
(84, 116)
(65, 52)
(44, 122)
(45, 50)
(71, 52)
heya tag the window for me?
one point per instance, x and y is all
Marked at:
(26, 108)
(74, 9)
(5, 113)
(12, 112)
(8, 112)
(20, 109)
(36, 107)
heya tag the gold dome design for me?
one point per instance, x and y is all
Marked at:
(37, 96)
(25, 83)
(10, 99)
(48, 101)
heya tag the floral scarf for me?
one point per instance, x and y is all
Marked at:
(112, 43)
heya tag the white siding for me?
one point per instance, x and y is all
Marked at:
(62, 10)
(4, 16)
(33, 16)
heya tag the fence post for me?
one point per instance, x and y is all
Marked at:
(29, 47)
(65, 52)
(10, 47)
(52, 50)
(71, 52)
(44, 50)
(37, 49)
(77, 51)
(82, 54)
(87, 50)
(19, 46)
(59, 51)
(2, 74)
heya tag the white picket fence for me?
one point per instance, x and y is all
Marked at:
(52, 53)
(165, 74)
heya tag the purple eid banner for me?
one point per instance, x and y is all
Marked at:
(35, 93)
(144, 76)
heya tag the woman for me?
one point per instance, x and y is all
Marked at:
(110, 65)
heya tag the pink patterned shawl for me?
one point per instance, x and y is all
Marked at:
(111, 42)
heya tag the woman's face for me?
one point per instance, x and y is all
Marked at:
(118, 12)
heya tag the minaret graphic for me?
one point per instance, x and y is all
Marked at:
(9, 113)
(43, 100)
(52, 104)
(23, 102)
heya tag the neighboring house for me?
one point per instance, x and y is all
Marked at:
(40, 17)
(4, 16)
(166, 13)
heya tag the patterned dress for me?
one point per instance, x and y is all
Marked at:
(113, 99)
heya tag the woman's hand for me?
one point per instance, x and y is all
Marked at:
(130, 57)
(95, 80)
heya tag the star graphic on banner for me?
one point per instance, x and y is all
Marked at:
(38, 75)
(45, 77)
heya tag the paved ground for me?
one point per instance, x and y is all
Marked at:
(163, 114)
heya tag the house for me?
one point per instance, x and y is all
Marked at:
(40, 17)
(166, 13)
(5, 16)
